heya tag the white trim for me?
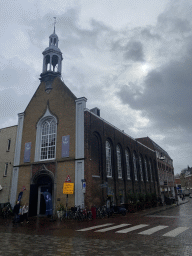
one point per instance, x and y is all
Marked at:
(13, 195)
(79, 151)
(19, 139)
(15, 173)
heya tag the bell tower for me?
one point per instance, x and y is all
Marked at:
(52, 61)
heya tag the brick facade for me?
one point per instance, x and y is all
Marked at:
(61, 103)
(97, 132)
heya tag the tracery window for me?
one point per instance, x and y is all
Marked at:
(127, 165)
(119, 167)
(108, 159)
(48, 139)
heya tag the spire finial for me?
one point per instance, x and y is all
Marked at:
(54, 24)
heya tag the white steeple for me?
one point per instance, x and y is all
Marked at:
(52, 59)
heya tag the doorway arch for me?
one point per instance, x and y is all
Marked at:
(42, 181)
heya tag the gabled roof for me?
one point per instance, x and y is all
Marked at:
(150, 143)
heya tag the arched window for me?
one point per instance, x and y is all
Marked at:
(119, 167)
(48, 139)
(127, 165)
(141, 169)
(146, 172)
(46, 136)
(150, 170)
(108, 159)
(96, 154)
(135, 166)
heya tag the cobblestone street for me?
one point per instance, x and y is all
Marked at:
(111, 236)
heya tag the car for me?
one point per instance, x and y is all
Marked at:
(118, 210)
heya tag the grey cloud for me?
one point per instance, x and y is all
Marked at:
(134, 51)
(174, 24)
(167, 95)
(146, 33)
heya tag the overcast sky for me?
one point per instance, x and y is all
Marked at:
(131, 59)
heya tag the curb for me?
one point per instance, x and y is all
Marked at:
(163, 209)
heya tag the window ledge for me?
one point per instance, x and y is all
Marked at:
(96, 176)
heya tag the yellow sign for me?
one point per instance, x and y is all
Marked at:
(68, 188)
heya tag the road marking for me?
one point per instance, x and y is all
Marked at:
(111, 228)
(175, 232)
(94, 227)
(132, 228)
(152, 230)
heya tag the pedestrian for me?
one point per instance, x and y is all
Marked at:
(16, 212)
(25, 212)
(21, 214)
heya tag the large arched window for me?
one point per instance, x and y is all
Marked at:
(96, 154)
(150, 170)
(135, 166)
(46, 136)
(119, 167)
(48, 139)
(108, 159)
(141, 169)
(146, 172)
(127, 164)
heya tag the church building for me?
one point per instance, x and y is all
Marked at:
(58, 138)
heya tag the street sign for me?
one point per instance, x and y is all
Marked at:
(68, 179)
(68, 188)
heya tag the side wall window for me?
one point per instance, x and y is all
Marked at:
(135, 166)
(108, 159)
(141, 169)
(127, 165)
(96, 154)
(146, 171)
(150, 170)
(119, 166)
(5, 171)
(8, 144)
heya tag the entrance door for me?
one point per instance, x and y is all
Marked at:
(41, 206)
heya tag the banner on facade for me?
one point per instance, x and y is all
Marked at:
(27, 153)
(65, 145)
(48, 202)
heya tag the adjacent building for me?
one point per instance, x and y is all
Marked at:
(164, 168)
(7, 150)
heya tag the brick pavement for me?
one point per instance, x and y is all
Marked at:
(55, 238)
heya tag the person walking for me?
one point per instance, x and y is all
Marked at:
(25, 210)
(16, 212)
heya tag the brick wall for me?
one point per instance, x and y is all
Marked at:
(97, 131)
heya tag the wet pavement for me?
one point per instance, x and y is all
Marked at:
(159, 231)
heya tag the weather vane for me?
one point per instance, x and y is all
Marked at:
(54, 23)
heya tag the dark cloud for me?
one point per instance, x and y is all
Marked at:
(134, 51)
